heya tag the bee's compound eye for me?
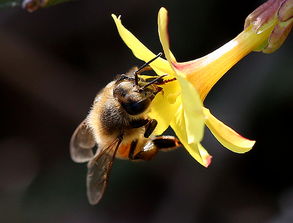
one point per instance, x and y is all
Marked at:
(123, 89)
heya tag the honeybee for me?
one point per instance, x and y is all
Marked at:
(118, 126)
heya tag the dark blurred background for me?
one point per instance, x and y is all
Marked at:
(54, 61)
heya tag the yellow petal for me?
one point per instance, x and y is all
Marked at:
(139, 50)
(198, 152)
(227, 136)
(193, 113)
(164, 106)
(164, 35)
(192, 105)
(195, 149)
(206, 157)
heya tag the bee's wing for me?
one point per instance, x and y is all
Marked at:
(98, 172)
(81, 144)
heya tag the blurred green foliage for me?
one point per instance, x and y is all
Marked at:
(10, 3)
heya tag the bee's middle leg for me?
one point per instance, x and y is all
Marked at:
(151, 146)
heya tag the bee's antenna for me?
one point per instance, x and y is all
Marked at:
(143, 66)
(153, 81)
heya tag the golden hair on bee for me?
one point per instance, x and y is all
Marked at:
(118, 126)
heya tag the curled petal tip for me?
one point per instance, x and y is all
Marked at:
(205, 156)
(208, 161)
(163, 10)
(116, 18)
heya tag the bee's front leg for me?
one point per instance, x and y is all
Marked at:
(151, 146)
(150, 125)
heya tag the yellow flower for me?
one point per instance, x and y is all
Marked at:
(181, 104)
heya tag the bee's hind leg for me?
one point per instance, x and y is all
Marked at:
(152, 145)
(166, 143)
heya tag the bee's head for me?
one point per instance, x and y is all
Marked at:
(134, 98)
(134, 93)
(128, 89)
